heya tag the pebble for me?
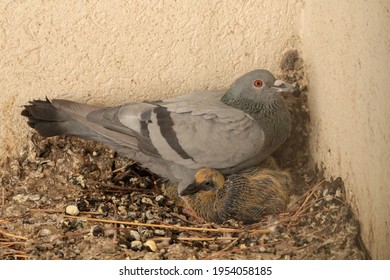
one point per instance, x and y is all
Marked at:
(150, 216)
(122, 210)
(133, 215)
(109, 232)
(328, 197)
(146, 200)
(20, 198)
(81, 181)
(44, 232)
(150, 245)
(72, 210)
(108, 249)
(159, 232)
(262, 249)
(136, 245)
(145, 234)
(151, 256)
(135, 235)
(97, 231)
(160, 199)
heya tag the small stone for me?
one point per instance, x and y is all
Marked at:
(159, 232)
(109, 249)
(44, 232)
(150, 216)
(151, 256)
(109, 233)
(41, 247)
(133, 215)
(262, 249)
(328, 197)
(135, 235)
(150, 245)
(97, 231)
(160, 199)
(145, 234)
(95, 154)
(122, 210)
(80, 180)
(72, 210)
(146, 200)
(136, 245)
(34, 197)
(20, 198)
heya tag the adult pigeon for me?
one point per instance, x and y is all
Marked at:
(244, 197)
(225, 130)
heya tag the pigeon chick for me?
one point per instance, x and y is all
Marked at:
(244, 197)
(175, 137)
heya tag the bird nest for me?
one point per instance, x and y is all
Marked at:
(122, 213)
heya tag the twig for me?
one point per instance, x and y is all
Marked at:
(195, 238)
(260, 231)
(11, 243)
(311, 192)
(12, 235)
(231, 244)
(115, 239)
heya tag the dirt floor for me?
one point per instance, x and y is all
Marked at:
(122, 213)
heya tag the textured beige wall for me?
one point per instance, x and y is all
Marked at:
(110, 52)
(115, 51)
(347, 47)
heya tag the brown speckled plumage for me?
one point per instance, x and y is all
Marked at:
(244, 197)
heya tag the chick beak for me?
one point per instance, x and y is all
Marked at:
(195, 187)
(191, 189)
(281, 86)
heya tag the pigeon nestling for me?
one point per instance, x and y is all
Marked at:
(225, 130)
(244, 197)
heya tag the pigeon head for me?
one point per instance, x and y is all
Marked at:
(255, 90)
(207, 180)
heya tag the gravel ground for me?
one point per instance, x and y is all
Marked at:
(66, 198)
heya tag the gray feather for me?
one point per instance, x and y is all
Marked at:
(228, 131)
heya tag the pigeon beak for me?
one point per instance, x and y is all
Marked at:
(194, 188)
(190, 189)
(281, 86)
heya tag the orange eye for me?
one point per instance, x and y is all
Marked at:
(258, 83)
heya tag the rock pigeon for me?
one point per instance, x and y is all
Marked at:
(224, 130)
(244, 197)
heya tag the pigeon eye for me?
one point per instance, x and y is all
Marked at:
(207, 183)
(258, 83)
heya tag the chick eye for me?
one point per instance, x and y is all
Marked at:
(258, 83)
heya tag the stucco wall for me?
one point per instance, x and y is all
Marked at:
(346, 46)
(115, 51)
(109, 52)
